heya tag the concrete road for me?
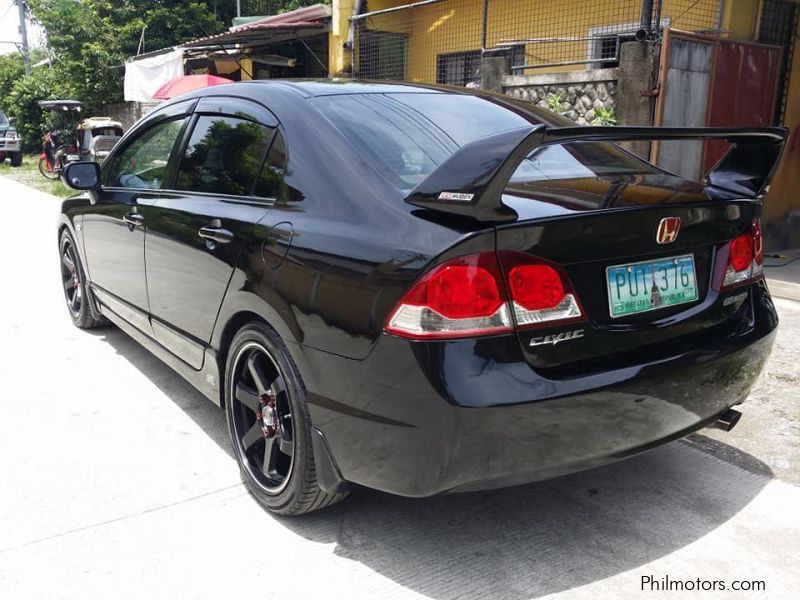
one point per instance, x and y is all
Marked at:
(116, 482)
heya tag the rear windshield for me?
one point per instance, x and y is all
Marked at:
(406, 136)
(112, 131)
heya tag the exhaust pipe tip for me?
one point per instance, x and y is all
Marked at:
(727, 420)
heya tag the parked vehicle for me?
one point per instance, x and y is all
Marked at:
(424, 290)
(97, 136)
(10, 142)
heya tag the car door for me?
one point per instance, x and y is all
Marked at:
(114, 227)
(201, 224)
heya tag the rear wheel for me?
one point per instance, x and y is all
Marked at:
(45, 170)
(74, 284)
(269, 424)
(16, 159)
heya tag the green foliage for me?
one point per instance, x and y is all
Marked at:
(11, 71)
(605, 116)
(273, 7)
(555, 103)
(90, 40)
(31, 121)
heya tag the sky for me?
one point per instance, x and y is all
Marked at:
(9, 27)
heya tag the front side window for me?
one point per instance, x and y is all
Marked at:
(143, 163)
(224, 156)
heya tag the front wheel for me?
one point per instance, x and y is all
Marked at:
(269, 425)
(75, 285)
(16, 159)
(45, 170)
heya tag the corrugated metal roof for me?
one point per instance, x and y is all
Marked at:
(313, 18)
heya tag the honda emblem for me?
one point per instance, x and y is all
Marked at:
(668, 230)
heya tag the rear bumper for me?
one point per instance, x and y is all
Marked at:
(418, 419)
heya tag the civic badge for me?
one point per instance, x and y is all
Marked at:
(668, 230)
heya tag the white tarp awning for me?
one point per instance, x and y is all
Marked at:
(144, 76)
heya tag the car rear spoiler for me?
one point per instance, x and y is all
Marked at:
(470, 183)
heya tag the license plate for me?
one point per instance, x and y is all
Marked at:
(650, 285)
(72, 157)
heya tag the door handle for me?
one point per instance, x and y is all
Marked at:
(133, 219)
(216, 234)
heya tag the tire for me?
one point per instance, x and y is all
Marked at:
(47, 174)
(16, 159)
(74, 284)
(269, 424)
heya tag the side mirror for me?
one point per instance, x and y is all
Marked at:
(12, 120)
(81, 175)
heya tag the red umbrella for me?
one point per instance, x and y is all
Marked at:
(187, 83)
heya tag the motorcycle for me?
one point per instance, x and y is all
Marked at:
(55, 155)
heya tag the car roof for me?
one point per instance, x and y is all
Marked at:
(311, 88)
(332, 87)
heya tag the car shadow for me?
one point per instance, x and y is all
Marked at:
(207, 415)
(522, 542)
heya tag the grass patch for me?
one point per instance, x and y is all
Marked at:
(29, 175)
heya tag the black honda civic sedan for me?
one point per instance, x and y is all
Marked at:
(421, 289)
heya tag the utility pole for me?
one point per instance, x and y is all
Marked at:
(238, 8)
(23, 31)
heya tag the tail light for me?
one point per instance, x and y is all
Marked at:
(540, 291)
(745, 258)
(468, 297)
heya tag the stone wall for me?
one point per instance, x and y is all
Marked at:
(127, 113)
(586, 97)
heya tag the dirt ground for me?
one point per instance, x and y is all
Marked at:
(28, 174)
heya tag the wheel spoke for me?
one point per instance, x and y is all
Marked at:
(277, 386)
(69, 284)
(286, 446)
(252, 436)
(269, 454)
(68, 262)
(258, 375)
(73, 302)
(247, 396)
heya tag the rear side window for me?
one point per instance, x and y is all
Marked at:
(224, 156)
(271, 182)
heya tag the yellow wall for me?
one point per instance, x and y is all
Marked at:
(455, 26)
(784, 195)
(339, 59)
(741, 19)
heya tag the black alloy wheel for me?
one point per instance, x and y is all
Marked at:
(74, 285)
(70, 277)
(269, 423)
(262, 418)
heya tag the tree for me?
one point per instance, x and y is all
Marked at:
(11, 71)
(90, 40)
(273, 7)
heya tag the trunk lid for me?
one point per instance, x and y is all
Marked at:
(605, 224)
